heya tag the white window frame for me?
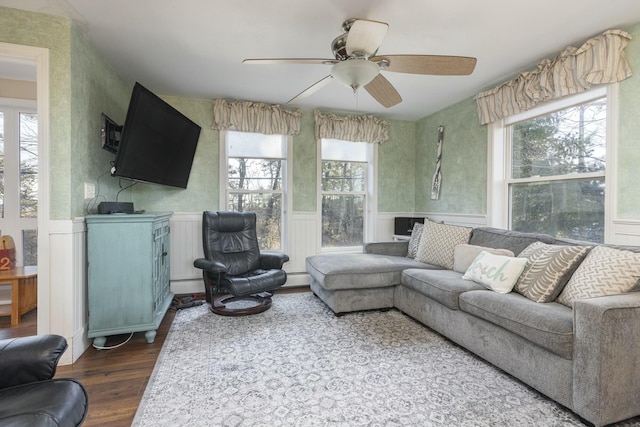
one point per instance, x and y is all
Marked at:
(287, 184)
(499, 155)
(14, 222)
(371, 202)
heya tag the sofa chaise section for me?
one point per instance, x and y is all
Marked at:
(359, 281)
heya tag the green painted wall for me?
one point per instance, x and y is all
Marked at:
(396, 169)
(305, 172)
(464, 161)
(95, 89)
(628, 170)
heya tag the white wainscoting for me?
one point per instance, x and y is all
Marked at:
(186, 246)
(626, 232)
(68, 286)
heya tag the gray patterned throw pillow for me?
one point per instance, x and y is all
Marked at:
(439, 242)
(414, 240)
(548, 269)
(605, 271)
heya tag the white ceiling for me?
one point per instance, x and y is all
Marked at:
(195, 48)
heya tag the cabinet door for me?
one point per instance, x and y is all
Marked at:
(119, 275)
(160, 281)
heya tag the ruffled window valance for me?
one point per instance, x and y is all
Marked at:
(599, 60)
(351, 128)
(257, 117)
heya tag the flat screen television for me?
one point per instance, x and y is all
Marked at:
(157, 143)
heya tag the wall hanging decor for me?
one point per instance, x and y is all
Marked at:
(437, 176)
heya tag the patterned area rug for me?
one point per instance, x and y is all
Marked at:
(299, 365)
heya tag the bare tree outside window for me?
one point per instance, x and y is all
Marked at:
(343, 203)
(255, 177)
(557, 173)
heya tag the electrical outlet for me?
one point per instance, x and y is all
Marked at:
(89, 190)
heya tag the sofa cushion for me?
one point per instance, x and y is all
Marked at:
(414, 240)
(548, 325)
(515, 241)
(604, 271)
(443, 286)
(438, 242)
(496, 272)
(548, 269)
(464, 254)
(350, 271)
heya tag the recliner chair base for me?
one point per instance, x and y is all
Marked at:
(262, 303)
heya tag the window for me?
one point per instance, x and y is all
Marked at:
(555, 159)
(346, 171)
(255, 180)
(19, 177)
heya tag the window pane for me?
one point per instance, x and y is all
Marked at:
(247, 144)
(1, 165)
(342, 220)
(572, 208)
(30, 247)
(255, 174)
(268, 208)
(28, 165)
(335, 149)
(567, 141)
(343, 176)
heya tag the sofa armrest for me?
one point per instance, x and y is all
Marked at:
(606, 368)
(387, 248)
(28, 359)
(272, 260)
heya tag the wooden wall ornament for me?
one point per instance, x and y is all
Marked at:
(437, 175)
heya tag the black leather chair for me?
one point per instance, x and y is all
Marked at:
(29, 396)
(238, 278)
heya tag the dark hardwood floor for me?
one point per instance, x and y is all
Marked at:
(115, 379)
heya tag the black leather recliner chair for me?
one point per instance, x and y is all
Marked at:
(234, 269)
(29, 396)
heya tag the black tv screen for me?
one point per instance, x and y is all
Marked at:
(157, 143)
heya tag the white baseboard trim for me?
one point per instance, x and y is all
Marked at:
(195, 286)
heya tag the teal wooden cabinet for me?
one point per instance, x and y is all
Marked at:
(128, 274)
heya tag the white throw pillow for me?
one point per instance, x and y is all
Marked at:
(463, 255)
(496, 272)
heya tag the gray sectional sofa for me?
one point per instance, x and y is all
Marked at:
(586, 357)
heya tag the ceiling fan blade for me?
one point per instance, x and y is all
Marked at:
(289, 61)
(311, 89)
(439, 65)
(383, 91)
(365, 37)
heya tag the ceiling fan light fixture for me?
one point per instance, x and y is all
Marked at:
(355, 73)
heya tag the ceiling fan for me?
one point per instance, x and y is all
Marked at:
(357, 64)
